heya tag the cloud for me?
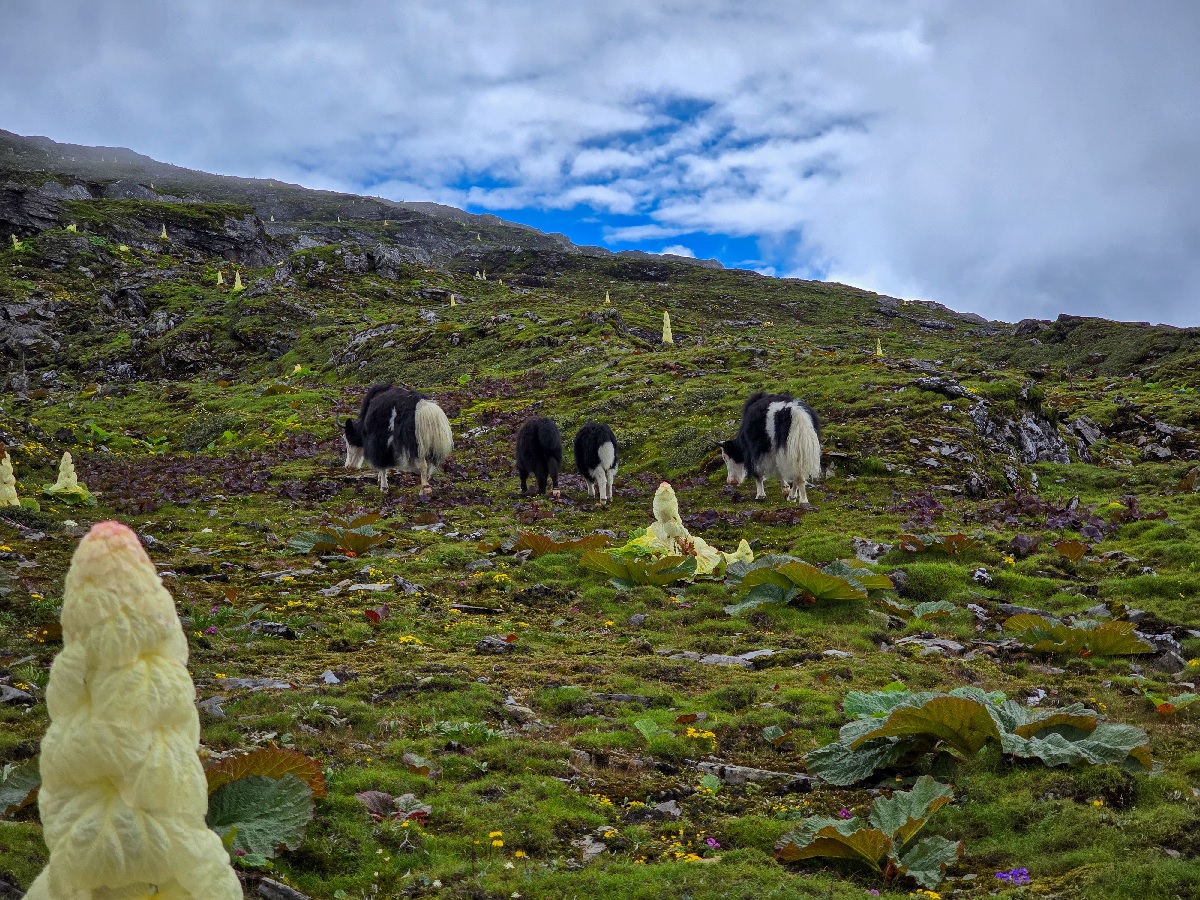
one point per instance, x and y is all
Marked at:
(1017, 159)
(678, 250)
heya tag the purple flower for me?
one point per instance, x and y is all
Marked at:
(214, 609)
(873, 892)
(1014, 876)
(712, 842)
(844, 813)
(211, 629)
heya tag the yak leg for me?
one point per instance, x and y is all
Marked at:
(423, 468)
(383, 482)
(524, 482)
(761, 493)
(592, 489)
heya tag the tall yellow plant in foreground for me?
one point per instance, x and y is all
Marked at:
(123, 795)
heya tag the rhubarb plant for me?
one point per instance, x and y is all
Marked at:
(884, 841)
(894, 727)
(785, 579)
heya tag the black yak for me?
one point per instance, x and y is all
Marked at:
(539, 453)
(596, 458)
(780, 436)
(398, 428)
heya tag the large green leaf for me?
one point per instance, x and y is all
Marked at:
(629, 572)
(842, 839)
(960, 723)
(875, 704)
(926, 861)
(760, 577)
(760, 595)
(1048, 636)
(267, 813)
(19, 785)
(842, 766)
(905, 813)
(1027, 721)
(1110, 743)
(818, 585)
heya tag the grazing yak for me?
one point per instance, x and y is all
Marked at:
(596, 458)
(539, 453)
(398, 428)
(780, 436)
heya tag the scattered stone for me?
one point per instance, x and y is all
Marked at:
(580, 758)
(368, 586)
(837, 654)
(868, 551)
(409, 587)
(589, 847)
(523, 715)
(335, 589)
(475, 610)
(476, 565)
(947, 387)
(10, 694)
(494, 643)
(270, 629)
(1011, 609)
(733, 775)
(272, 890)
(255, 684)
(212, 707)
(329, 678)
(637, 620)
(932, 646)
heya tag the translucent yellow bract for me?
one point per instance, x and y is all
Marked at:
(123, 795)
(669, 536)
(8, 483)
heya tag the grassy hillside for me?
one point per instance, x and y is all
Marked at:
(550, 704)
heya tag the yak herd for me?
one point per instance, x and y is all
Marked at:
(398, 428)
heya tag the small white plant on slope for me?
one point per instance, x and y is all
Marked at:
(124, 796)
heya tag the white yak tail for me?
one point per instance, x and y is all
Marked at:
(434, 438)
(803, 449)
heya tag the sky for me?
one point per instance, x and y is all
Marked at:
(1016, 159)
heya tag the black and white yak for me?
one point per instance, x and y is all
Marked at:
(539, 453)
(780, 436)
(398, 428)
(596, 458)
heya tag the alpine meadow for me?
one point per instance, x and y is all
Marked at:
(955, 656)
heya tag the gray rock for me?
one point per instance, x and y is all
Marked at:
(369, 587)
(409, 587)
(735, 775)
(10, 694)
(254, 684)
(270, 889)
(212, 707)
(329, 678)
(837, 654)
(476, 565)
(589, 847)
(494, 644)
(270, 629)
(868, 551)
(637, 620)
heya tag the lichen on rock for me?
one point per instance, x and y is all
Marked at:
(124, 796)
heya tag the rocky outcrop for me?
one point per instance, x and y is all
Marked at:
(1031, 437)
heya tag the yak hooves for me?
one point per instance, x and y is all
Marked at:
(556, 494)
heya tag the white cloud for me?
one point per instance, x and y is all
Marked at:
(1017, 159)
(678, 250)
